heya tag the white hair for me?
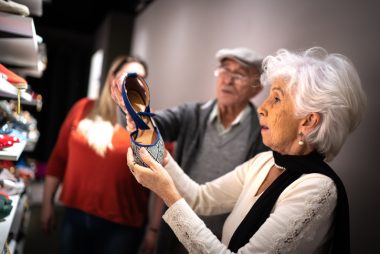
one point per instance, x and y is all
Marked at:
(327, 84)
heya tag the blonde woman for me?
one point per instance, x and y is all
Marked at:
(106, 210)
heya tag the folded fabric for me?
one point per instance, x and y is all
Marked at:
(5, 173)
(15, 8)
(5, 165)
(25, 168)
(21, 135)
(9, 138)
(12, 77)
(5, 144)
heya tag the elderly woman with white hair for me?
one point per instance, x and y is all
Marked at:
(287, 200)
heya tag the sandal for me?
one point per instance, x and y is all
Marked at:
(135, 93)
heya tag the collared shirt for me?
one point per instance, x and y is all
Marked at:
(215, 119)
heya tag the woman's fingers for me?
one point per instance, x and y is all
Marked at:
(119, 79)
(116, 90)
(130, 160)
(114, 93)
(154, 178)
(166, 158)
(142, 174)
(131, 126)
(148, 160)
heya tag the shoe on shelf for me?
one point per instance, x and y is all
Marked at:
(136, 97)
(13, 7)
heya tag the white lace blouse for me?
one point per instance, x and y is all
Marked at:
(300, 222)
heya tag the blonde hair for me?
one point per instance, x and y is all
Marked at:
(104, 106)
(102, 118)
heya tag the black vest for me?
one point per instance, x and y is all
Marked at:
(295, 167)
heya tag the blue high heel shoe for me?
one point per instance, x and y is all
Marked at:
(136, 97)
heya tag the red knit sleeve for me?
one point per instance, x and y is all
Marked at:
(56, 165)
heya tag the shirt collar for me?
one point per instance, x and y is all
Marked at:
(215, 118)
(242, 115)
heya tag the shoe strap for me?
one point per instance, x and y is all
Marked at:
(140, 124)
(135, 133)
(146, 113)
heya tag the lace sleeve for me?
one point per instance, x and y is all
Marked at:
(191, 231)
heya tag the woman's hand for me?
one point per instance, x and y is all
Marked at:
(149, 243)
(155, 177)
(131, 125)
(47, 218)
(116, 86)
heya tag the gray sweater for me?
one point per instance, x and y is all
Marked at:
(185, 125)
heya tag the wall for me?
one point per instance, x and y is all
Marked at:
(179, 38)
(114, 38)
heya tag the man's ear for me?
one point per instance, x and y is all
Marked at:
(310, 122)
(256, 90)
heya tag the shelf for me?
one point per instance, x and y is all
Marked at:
(6, 223)
(18, 41)
(19, 49)
(12, 246)
(10, 91)
(29, 103)
(21, 52)
(16, 26)
(35, 72)
(35, 6)
(19, 215)
(12, 153)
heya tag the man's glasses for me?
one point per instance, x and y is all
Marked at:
(236, 77)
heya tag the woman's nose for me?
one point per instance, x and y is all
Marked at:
(261, 109)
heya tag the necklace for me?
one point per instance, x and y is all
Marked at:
(280, 167)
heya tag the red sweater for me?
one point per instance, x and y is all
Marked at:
(101, 186)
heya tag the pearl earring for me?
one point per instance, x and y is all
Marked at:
(301, 142)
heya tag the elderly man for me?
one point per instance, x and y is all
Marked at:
(214, 137)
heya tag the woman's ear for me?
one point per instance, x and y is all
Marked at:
(310, 122)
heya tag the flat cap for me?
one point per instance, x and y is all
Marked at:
(244, 56)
